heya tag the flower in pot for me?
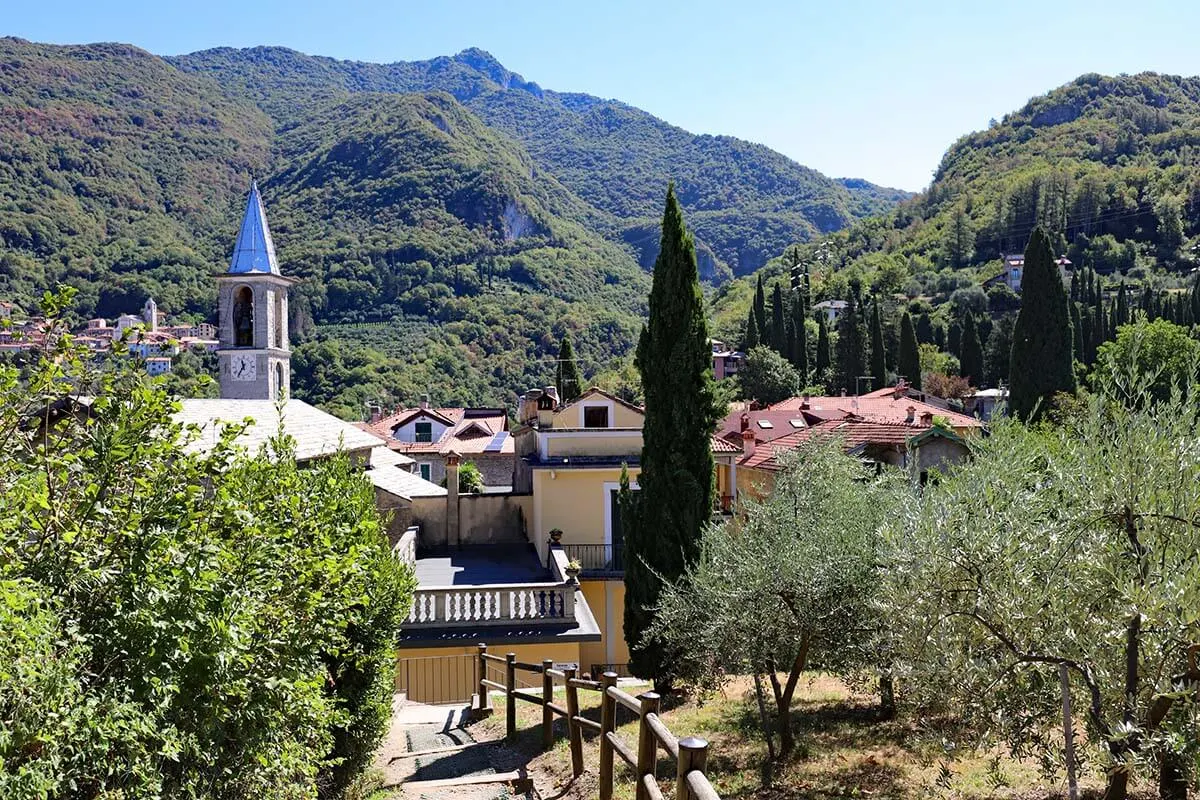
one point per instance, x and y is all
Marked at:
(556, 535)
(573, 570)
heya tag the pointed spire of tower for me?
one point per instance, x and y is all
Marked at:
(254, 251)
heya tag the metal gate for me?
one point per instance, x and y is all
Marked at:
(437, 679)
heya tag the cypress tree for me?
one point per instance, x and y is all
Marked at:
(999, 348)
(1123, 305)
(1086, 331)
(760, 313)
(971, 360)
(792, 344)
(1041, 363)
(1195, 297)
(1100, 333)
(800, 354)
(954, 339)
(878, 353)
(1075, 287)
(824, 354)
(779, 338)
(666, 518)
(851, 344)
(939, 337)
(568, 380)
(909, 362)
(924, 330)
(1077, 332)
(750, 340)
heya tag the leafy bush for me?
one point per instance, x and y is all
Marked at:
(221, 624)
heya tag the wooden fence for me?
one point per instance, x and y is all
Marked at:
(689, 754)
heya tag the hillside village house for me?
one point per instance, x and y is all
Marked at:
(429, 435)
(832, 309)
(726, 362)
(1014, 271)
(888, 427)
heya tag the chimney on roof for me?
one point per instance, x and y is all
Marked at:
(528, 412)
(425, 401)
(804, 402)
(376, 414)
(552, 393)
(748, 441)
(745, 422)
(911, 415)
(900, 389)
(927, 419)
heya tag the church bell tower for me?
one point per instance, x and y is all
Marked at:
(254, 355)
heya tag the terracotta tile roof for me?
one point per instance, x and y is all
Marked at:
(720, 445)
(768, 425)
(468, 431)
(874, 409)
(854, 434)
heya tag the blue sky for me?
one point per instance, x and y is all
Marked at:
(853, 88)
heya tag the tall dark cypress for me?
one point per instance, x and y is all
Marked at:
(999, 349)
(778, 329)
(851, 346)
(971, 360)
(663, 522)
(1123, 305)
(824, 354)
(924, 330)
(1041, 364)
(750, 340)
(800, 354)
(1086, 331)
(954, 338)
(908, 364)
(568, 380)
(1195, 301)
(878, 351)
(760, 313)
(939, 337)
(1077, 330)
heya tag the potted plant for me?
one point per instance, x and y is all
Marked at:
(556, 535)
(573, 570)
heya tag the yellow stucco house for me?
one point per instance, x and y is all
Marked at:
(569, 458)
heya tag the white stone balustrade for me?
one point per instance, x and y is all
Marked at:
(493, 604)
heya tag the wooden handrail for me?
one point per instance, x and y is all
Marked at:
(624, 698)
(663, 734)
(690, 754)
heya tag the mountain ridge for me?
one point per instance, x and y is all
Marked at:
(612, 154)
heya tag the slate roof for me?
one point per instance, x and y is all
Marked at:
(316, 432)
(254, 251)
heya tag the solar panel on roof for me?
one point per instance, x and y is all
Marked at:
(497, 443)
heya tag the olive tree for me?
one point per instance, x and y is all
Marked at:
(791, 582)
(1073, 546)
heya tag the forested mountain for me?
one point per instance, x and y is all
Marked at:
(1110, 166)
(442, 247)
(745, 202)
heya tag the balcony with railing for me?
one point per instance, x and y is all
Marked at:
(597, 560)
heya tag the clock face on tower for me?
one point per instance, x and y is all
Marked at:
(243, 366)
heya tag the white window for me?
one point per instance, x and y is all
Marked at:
(426, 470)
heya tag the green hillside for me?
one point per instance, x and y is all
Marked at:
(126, 177)
(1109, 165)
(744, 201)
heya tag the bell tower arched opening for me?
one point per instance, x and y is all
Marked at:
(243, 317)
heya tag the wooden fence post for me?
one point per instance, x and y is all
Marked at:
(693, 755)
(608, 724)
(647, 743)
(574, 730)
(547, 700)
(484, 701)
(510, 686)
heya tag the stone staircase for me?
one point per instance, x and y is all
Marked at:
(429, 755)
